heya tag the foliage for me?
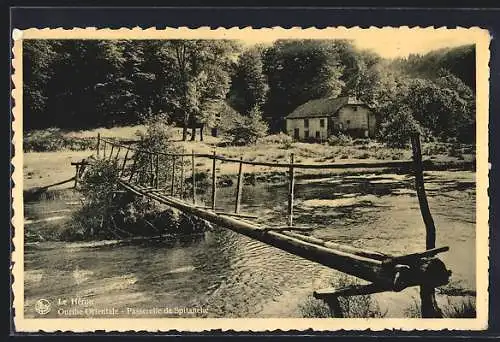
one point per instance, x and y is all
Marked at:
(465, 308)
(280, 138)
(90, 83)
(247, 130)
(459, 61)
(249, 84)
(298, 71)
(398, 128)
(340, 139)
(110, 214)
(53, 139)
(362, 306)
(157, 139)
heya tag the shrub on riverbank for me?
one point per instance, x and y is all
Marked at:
(110, 213)
(363, 306)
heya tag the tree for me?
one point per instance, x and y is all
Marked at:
(249, 84)
(398, 127)
(38, 56)
(298, 71)
(202, 75)
(80, 69)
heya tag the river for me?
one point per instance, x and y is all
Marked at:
(224, 274)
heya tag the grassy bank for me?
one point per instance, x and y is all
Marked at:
(53, 164)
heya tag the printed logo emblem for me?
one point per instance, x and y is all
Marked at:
(42, 306)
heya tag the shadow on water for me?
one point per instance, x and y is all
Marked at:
(235, 276)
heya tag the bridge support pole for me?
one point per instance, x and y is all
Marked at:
(172, 184)
(214, 181)
(157, 170)
(193, 176)
(181, 195)
(429, 307)
(239, 187)
(291, 181)
(98, 144)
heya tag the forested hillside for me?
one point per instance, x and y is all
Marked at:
(90, 83)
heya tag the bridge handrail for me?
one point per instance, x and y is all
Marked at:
(357, 165)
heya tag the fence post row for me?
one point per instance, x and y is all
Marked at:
(193, 176)
(291, 175)
(214, 182)
(429, 307)
(239, 187)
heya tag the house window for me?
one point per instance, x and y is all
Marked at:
(322, 123)
(348, 122)
(306, 134)
(355, 108)
(306, 123)
(317, 135)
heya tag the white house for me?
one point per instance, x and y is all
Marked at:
(320, 118)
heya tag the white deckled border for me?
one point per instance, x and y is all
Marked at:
(481, 38)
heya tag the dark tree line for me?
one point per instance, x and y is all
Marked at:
(89, 83)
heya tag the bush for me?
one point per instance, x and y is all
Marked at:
(157, 139)
(52, 139)
(362, 306)
(246, 130)
(275, 139)
(339, 140)
(398, 129)
(110, 213)
(465, 308)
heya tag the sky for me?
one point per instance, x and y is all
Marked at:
(387, 43)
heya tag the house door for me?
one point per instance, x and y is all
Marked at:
(296, 133)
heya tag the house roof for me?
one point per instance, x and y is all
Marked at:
(323, 107)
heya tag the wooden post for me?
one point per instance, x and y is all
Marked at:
(157, 169)
(98, 143)
(118, 153)
(239, 187)
(77, 174)
(193, 176)
(124, 162)
(104, 149)
(182, 175)
(111, 152)
(214, 182)
(429, 307)
(151, 171)
(172, 185)
(132, 170)
(291, 180)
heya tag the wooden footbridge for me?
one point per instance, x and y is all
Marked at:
(140, 175)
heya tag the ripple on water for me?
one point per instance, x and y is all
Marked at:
(235, 276)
